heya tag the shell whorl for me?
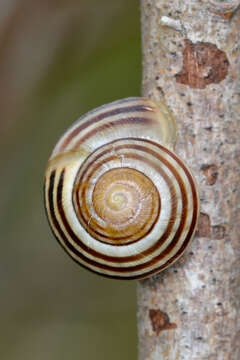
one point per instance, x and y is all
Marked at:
(118, 199)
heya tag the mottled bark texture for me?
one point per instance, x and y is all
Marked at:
(191, 60)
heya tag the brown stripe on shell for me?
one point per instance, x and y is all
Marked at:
(144, 121)
(186, 241)
(91, 262)
(99, 117)
(57, 227)
(119, 237)
(85, 223)
(182, 187)
(120, 270)
(164, 237)
(77, 240)
(93, 232)
(68, 245)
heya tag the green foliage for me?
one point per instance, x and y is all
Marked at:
(51, 308)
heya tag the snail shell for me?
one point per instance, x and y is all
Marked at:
(118, 199)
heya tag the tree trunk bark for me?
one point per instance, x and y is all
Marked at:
(191, 60)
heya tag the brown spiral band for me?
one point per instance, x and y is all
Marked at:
(118, 199)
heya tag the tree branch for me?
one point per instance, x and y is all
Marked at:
(191, 60)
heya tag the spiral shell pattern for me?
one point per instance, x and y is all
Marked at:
(118, 199)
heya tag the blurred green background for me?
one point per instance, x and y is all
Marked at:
(58, 59)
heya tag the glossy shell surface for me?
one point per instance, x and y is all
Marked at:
(118, 199)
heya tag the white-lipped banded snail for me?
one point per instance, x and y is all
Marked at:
(118, 199)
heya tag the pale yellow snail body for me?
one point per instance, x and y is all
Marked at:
(118, 199)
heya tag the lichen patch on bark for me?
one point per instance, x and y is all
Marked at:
(203, 64)
(160, 321)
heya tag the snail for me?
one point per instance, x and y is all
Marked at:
(118, 199)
